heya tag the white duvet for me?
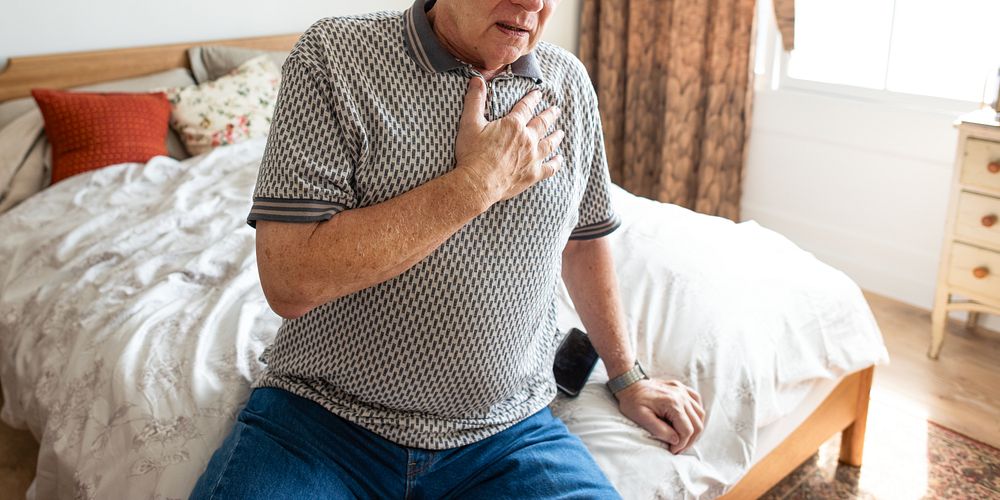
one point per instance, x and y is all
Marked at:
(131, 321)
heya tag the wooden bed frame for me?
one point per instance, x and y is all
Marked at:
(844, 410)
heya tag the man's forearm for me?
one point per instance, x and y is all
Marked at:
(589, 272)
(306, 265)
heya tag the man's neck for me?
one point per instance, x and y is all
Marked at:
(439, 32)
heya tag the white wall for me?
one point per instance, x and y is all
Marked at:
(862, 184)
(46, 26)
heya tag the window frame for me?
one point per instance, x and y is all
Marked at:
(774, 77)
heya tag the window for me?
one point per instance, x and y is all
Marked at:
(932, 48)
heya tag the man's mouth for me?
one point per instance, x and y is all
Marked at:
(512, 29)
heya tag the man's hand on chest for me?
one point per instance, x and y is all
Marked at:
(502, 158)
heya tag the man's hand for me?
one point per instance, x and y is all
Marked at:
(504, 157)
(670, 411)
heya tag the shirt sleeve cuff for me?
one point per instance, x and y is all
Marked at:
(597, 229)
(292, 210)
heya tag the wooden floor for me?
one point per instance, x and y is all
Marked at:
(960, 391)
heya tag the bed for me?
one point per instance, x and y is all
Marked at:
(132, 322)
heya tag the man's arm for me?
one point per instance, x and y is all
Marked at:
(668, 410)
(304, 265)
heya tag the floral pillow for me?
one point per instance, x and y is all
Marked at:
(228, 110)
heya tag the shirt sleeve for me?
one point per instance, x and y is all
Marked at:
(597, 217)
(307, 171)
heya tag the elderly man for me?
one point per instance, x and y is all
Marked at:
(427, 177)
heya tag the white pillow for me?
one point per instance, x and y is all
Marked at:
(209, 62)
(22, 149)
(231, 109)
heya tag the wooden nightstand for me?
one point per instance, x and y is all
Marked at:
(970, 255)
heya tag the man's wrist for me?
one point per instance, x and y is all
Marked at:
(617, 368)
(471, 187)
(627, 379)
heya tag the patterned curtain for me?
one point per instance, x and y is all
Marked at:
(784, 11)
(674, 81)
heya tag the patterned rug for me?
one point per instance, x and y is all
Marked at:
(900, 462)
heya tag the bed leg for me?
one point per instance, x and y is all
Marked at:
(852, 439)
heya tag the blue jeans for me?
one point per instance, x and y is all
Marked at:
(285, 446)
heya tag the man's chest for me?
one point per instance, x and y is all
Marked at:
(410, 140)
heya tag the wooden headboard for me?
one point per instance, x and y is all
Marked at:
(82, 68)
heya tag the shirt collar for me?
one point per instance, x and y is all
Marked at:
(423, 46)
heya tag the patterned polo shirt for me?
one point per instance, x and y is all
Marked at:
(460, 346)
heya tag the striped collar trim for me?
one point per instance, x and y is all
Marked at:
(423, 46)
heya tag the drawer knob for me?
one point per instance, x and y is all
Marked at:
(981, 272)
(993, 167)
(989, 220)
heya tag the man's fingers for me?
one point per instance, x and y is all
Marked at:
(475, 102)
(697, 418)
(695, 400)
(544, 120)
(552, 166)
(657, 427)
(699, 409)
(681, 424)
(548, 145)
(697, 422)
(524, 110)
(695, 396)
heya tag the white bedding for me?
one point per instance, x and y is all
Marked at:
(131, 320)
(771, 435)
(736, 311)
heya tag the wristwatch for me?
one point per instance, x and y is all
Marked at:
(633, 375)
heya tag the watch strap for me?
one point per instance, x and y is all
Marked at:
(633, 375)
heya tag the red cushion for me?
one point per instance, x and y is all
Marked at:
(93, 130)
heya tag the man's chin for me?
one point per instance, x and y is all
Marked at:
(503, 57)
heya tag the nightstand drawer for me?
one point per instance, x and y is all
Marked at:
(975, 269)
(978, 219)
(981, 166)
